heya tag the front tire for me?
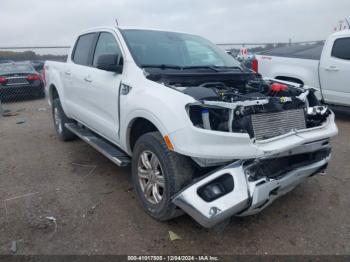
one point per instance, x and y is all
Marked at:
(158, 174)
(59, 120)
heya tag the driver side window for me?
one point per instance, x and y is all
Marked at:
(106, 45)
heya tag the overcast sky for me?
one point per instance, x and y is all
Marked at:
(55, 22)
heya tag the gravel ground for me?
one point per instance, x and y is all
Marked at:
(66, 198)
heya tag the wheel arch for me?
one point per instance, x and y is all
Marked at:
(137, 127)
(53, 93)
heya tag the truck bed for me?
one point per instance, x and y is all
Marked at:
(302, 51)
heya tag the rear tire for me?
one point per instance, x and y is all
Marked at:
(158, 174)
(59, 121)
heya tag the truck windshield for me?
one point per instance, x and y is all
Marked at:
(170, 50)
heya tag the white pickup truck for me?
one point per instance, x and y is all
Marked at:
(323, 66)
(203, 135)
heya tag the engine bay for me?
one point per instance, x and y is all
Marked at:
(246, 103)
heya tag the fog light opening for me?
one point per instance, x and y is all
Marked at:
(216, 188)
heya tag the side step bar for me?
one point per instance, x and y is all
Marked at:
(112, 152)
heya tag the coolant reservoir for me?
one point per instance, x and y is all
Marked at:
(205, 118)
(277, 87)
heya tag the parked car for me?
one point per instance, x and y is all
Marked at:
(5, 61)
(202, 134)
(19, 80)
(323, 66)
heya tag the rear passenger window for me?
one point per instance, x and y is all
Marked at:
(82, 49)
(106, 45)
(341, 48)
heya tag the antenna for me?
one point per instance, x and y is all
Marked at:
(116, 21)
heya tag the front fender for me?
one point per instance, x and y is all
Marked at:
(130, 119)
(160, 105)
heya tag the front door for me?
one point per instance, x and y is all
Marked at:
(103, 93)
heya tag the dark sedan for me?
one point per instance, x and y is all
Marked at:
(20, 80)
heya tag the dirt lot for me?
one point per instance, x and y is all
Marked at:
(96, 210)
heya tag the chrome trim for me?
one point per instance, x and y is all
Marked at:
(15, 77)
(247, 197)
(210, 213)
(25, 81)
(261, 193)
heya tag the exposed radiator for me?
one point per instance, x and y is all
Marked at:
(268, 125)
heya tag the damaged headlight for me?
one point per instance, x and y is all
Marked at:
(317, 110)
(224, 119)
(316, 113)
(210, 118)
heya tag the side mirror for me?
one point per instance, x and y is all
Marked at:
(110, 62)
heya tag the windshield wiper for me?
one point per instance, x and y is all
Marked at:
(162, 66)
(228, 67)
(177, 67)
(200, 67)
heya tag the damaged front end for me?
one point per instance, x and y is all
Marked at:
(268, 127)
(247, 187)
(243, 102)
(262, 109)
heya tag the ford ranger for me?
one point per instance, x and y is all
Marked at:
(203, 135)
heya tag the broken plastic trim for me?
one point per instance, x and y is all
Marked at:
(246, 198)
(234, 105)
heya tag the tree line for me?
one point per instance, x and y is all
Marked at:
(30, 55)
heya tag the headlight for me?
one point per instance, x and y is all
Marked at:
(219, 118)
(206, 117)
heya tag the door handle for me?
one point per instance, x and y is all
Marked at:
(67, 73)
(88, 79)
(332, 68)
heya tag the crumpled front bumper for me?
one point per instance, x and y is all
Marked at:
(247, 197)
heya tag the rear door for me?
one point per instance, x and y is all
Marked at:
(77, 80)
(103, 91)
(335, 71)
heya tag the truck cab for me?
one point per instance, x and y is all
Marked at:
(334, 69)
